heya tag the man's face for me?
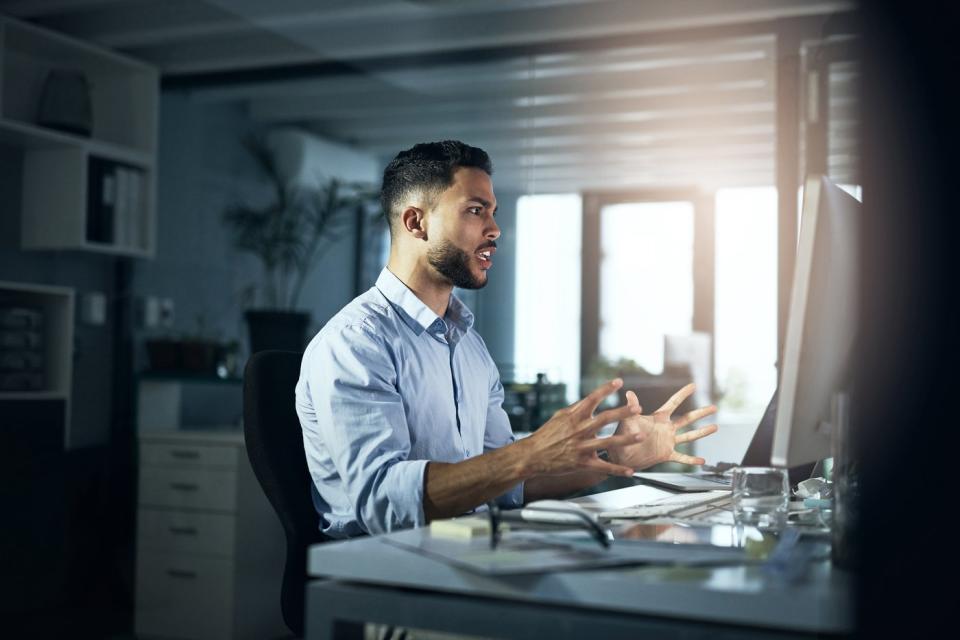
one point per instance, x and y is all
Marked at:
(463, 232)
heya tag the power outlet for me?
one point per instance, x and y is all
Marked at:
(156, 313)
(166, 313)
(93, 308)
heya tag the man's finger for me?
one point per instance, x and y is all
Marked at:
(622, 440)
(677, 399)
(632, 400)
(609, 416)
(693, 416)
(608, 467)
(685, 459)
(696, 434)
(593, 400)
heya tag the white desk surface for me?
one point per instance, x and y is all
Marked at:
(738, 595)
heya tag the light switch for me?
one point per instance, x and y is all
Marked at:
(93, 308)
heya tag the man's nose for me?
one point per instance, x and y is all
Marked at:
(493, 231)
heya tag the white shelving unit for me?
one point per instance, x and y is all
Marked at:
(56, 305)
(57, 165)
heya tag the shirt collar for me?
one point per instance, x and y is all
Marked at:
(418, 316)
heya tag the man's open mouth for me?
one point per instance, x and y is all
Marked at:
(486, 256)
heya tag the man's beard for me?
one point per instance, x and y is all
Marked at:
(454, 264)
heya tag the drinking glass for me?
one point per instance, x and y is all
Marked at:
(761, 496)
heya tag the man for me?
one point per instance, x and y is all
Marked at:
(399, 400)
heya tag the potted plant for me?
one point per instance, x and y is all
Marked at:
(289, 236)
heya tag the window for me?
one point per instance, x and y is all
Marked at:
(646, 279)
(745, 315)
(547, 320)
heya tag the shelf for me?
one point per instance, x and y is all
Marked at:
(30, 136)
(91, 193)
(112, 249)
(33, 395)
(122, 214)
(122, 90)
(213, 434)
(54, 310)
(178, 377)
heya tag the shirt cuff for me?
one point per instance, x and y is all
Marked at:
(512, 498)
(395, 500)
(407, 512)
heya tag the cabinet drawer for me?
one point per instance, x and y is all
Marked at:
(188, 455)
(185, 532)
(188, 488)
(183, 596)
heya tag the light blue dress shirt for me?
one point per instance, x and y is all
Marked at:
(385, 387)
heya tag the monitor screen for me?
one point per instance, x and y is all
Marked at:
(821, 326)
(761, 446)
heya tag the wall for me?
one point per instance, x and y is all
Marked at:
(494, 305)
(309, 159)
(203, 169)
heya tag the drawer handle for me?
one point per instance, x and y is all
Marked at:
(185, 455)
(183, 531)
(183, 486)
(179, 573)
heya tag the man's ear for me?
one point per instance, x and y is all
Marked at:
(413, 219)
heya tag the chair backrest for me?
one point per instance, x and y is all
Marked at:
(275, 447)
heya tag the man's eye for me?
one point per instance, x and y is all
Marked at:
(475, 210)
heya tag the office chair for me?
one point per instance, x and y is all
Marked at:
(271, 429)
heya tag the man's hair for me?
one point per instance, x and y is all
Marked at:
(426, 168)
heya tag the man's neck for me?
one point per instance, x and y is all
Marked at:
(422, 281)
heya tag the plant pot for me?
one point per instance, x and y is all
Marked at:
(164, 354)
(199, 356)
(192, 356)
(283, 330)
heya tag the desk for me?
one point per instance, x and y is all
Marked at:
(368, 579)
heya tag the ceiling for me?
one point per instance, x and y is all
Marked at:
(565, 95)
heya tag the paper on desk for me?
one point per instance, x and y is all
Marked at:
(525, 552)
(670, 504)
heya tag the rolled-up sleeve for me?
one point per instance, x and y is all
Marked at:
(361, 423)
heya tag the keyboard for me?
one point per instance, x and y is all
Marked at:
(677, 506)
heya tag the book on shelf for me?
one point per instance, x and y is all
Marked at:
(135, 208)
(101, 198)
(115, 198)
(121, 208)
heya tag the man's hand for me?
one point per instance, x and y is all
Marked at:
(657, 433)
(567, 442)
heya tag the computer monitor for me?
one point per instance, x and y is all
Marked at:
(821, 326)
(761, 446)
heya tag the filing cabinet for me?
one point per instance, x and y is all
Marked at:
(210, 550)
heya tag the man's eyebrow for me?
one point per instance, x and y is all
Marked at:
(485, 203)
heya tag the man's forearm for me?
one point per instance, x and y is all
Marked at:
(559, 486)
(451, 489)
